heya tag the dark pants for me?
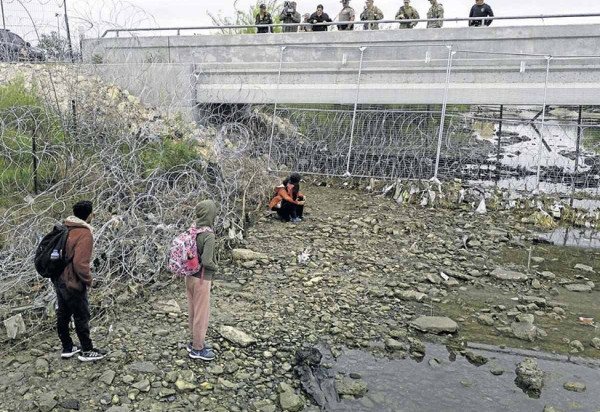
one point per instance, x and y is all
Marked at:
(73, 303)
(289, 211)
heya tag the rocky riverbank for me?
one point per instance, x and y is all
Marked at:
(360, 272)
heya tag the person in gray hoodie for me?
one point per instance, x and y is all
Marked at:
(198, 285)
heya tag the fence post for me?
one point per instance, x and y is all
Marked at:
(541, 143)
(498, 166)
(275, 108)
(444, 104)
(577, 151)
(360, 64)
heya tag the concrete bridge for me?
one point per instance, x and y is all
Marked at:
(524, 65)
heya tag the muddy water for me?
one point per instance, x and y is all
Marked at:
(439, 383)
(474, 300)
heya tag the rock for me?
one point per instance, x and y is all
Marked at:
(540, 302)
(236, 336)
(184, 386)
(434, 324)
(486, 319)
(547, 275)
(15, 326)
(536, 284)
(42, 367)
(576, 346)
(353, 387)
(263, 405)
(143, 367)
(549, 408)
(585, 268)
(575, 386)
(166, 392)
(394, 345)
(289, 401)
(527, 331)
(530, 378)
(595, 343)
(496, 369)
(506, 274)
(169, 306)
(475, 359)
(411, 295)
(416, 347)
(247, 254)
(47, 401)
(107, 377)
(123, 408)
(142, 386)
(70, 404)
(578, 287)
(525, 318)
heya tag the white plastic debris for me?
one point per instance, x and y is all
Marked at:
(304, 257)
(481, 209)
(14, 326)
(444, 276)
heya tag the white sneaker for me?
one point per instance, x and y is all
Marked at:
(69, 354)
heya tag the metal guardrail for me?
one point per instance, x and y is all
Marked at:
(355, 22)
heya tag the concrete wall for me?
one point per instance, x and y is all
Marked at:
(492, 65)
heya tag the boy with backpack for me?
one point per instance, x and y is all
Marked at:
(72, 283)
(198, 270)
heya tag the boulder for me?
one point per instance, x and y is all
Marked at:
(584, 268)
(236, 336)
(578, 287)
(434, 324)
(506, 274)
(169, 306)
(289, 401)
(352, 387)
(247, 254)
(575, 386)
(530, 378)
(527, 331)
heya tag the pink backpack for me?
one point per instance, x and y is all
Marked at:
(183, 256)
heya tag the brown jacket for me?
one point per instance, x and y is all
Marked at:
(80, 242)
(282, 193)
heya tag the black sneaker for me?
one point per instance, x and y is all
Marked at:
(91, 355)
(66, 354)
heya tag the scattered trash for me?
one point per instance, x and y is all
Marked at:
(444, 276)
(14, 326)
(586, 321)
(481, 209)
(304, 257)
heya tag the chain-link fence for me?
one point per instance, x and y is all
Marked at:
(533, 146)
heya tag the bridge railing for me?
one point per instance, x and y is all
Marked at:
(358, 25)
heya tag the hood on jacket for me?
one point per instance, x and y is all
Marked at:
(206, 212)
(74, 221)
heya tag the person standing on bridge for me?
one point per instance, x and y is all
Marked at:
(262, 18)
(319, 17)
(480, 9)
(290, 15)
(407, 12)
(306, 27)
(436, 11)
(371, 12)
(347, 14)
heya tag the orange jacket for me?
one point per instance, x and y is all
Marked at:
(282, 193)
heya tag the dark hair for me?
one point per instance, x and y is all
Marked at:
(82, 209)
(262, 6)
(295, 178)
(320, 6)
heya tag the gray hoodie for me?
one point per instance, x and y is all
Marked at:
(206, 212)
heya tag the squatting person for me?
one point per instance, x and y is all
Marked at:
(287, 200)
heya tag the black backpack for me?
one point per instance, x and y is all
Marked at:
(51, 256)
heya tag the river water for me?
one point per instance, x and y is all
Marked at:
(454, 384)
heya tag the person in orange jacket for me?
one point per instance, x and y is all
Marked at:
(287, 200)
